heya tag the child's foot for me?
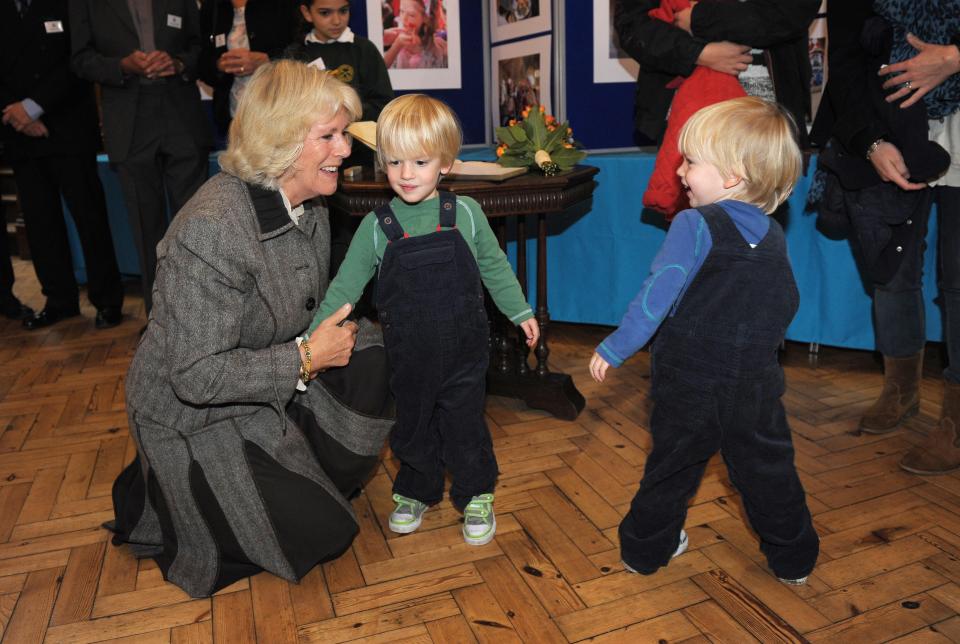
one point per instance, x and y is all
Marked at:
(681, 548)
(479, 523)
(408, 514)
(794, 582)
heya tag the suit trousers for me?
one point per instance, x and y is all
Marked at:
(164, 167)
(41, 181)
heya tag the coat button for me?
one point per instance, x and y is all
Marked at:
(899, 249)
(909, 222)
(311, 303)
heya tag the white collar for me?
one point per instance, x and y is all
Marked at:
(295, 213)
(346, 36)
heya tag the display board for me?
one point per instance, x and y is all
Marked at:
(468, 100)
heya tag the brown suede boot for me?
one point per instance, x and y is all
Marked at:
(940, 452)
(900, 398)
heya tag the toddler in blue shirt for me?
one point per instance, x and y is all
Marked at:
(719, 297)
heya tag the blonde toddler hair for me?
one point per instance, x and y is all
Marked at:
(749, 138)
(416, 125)
(279, 105)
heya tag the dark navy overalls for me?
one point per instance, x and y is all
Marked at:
(716, 385)
(430, 301)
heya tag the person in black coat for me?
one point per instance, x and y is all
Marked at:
(50, 135)
(718, 35)
(269, 26)
(144, 55)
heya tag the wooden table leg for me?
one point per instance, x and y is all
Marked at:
(540, 388)
(523, 349)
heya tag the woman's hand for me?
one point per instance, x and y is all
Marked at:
(889, 164)
(532, 330)
(598, 367)
(932, 65)
(241, 62)
(724, 56)
(332, 342)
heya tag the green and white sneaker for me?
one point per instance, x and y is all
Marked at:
(479, 523)
(408, 514)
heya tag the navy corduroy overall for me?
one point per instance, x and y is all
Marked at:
(430, 301)
(716, 385)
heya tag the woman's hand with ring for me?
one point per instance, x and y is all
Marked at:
(932, 65)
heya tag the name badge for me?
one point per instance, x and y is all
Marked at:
(53, 26)
(318, 63)
(174, 21)
(220, 40)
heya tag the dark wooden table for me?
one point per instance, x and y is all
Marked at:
(528, 194)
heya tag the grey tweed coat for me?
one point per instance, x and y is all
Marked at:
(236, 471)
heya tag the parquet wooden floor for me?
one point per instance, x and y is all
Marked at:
(889, 568)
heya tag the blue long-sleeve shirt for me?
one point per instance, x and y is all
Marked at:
(679, 259)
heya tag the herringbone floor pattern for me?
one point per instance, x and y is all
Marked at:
(889, 569)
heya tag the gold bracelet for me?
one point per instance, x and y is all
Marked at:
(873, 147)
(306, 363)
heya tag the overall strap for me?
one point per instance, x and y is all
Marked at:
(388, 223)
(448, 210)
(718, 221)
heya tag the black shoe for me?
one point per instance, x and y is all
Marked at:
(14, 310)
(108, 316)
(49, 316)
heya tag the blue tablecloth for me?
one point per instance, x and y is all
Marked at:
(599, 253)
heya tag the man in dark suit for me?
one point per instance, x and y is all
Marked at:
(144, 54)
(50, 138)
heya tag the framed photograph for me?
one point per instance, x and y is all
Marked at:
(610, 63)
(511, 19)
(419, 40)
(817, 48)
(521, 77)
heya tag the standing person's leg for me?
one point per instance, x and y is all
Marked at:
(948, 224)
(467, 446)
(140, 175)
(185, 160)
(47, 237)
(900, 326)
(84, 195)
(415, 438)
(940, 452)
(10, 306)
(758, 450)
(686, 435)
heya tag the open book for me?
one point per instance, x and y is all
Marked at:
(366, 133)
(482, 171)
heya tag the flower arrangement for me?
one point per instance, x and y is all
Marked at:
(537, 140)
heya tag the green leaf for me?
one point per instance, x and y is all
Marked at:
(504, 135)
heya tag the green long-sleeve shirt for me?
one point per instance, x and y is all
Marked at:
(369, 243)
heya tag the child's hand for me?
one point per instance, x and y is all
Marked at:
(532, 330)
(598, 367)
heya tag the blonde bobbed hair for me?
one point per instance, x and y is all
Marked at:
(279, 105)
(751, 139)
(416, 125)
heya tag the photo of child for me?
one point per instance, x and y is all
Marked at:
(509, 11)
(519, 86)
(417, 38)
